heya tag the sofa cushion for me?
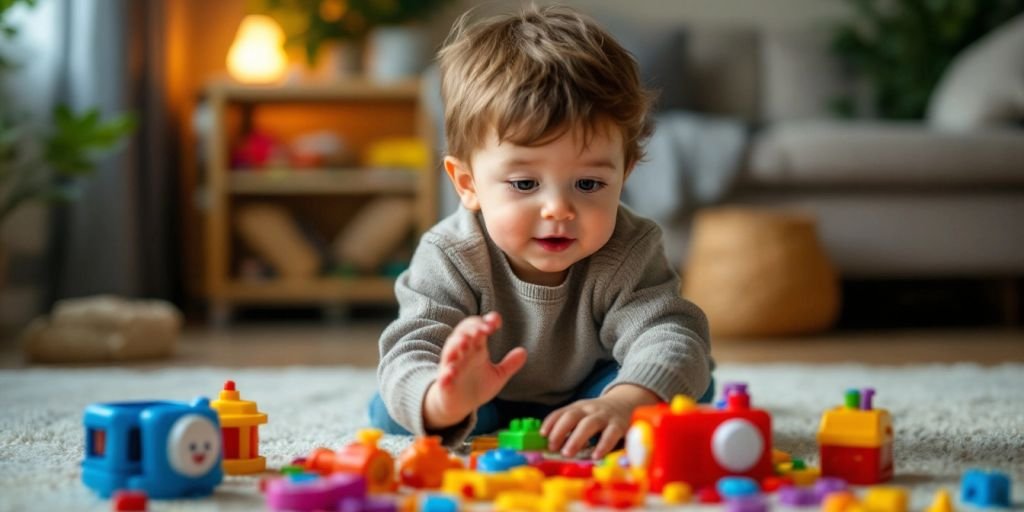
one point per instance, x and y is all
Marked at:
(868, 153)
(984, 85)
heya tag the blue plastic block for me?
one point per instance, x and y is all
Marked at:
(501, 459)
(985, 488)
(736, 487)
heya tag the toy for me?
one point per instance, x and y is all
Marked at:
(682, 442)
(736, 487)
(752, 503)
(435, 503)
(885, 499)
(828, 485)
(774, 483)
(618, 494)
(498, 460)
(129, 501)
(424, 462)
(523, 434)
(856, 440)
(520, 501)
(798, 496)
(486, 486)
(316, 494)
(362, 457)
(941, 502)
(565, 468)
(985, 488)
(239, 425)
(675, 493)
(838, 501)
(167, 449)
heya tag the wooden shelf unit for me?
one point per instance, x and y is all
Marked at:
(349, 108)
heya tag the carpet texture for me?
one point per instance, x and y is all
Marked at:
(946, 418)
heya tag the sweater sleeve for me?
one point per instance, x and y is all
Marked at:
(659, 339)
(433, 296)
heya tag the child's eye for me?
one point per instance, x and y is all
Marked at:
(523, 185)
(589, 185)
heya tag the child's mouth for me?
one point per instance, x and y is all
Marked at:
(555, 243)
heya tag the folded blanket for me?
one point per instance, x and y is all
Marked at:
(692, 160)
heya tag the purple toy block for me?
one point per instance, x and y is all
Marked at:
(827, 485)
(754, 503)
(370, 504)
(798, 496)
(321, 494)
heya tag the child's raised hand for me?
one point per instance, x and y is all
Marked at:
(570, 428)
(467, 378)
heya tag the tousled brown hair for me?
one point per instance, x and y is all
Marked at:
(534, 75)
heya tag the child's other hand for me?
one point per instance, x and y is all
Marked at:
(466, 377)
(571, 427)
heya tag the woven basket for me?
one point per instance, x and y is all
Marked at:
(760, 273)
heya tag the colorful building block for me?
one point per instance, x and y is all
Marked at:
(315, 494)
(885, 499)
(856, 440)
(523, 434)
(683, 442)
(486, 486)
(736, 487)
(985, 488)
(129, 501)
(166, 449)
(239, 424)
(941, 502)
(362, 457)
(502, 459)
(424, 462)
(676, 493)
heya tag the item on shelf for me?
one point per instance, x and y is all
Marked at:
(319, 149)
(254, 270)
(399, 152)
(271, 232)
(375, 231)
(760, 273)
(257, 150)
(103, 328)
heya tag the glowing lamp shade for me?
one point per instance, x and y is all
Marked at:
(256, 56)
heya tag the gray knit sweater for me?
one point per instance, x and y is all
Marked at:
(620, 303)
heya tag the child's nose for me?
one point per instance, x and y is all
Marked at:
(557, 207)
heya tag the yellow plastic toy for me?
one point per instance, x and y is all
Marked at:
(676, 493)
(941, 502)
(239, 425)
(472, 485)
(886, 499)
(399, 152)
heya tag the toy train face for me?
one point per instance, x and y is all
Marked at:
(682, 442)
(167, 449)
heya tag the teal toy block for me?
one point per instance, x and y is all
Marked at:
(523, 434)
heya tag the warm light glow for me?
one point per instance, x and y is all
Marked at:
(256, 56)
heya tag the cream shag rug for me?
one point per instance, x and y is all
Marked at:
(947, 419)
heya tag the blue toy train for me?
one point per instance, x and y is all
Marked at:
(167, 449)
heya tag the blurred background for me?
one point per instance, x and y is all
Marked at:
(240, 181)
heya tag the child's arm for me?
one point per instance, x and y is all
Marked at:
(467, 378)
(571, 427)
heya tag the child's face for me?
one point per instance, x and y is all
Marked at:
(547, 206)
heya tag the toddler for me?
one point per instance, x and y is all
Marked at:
(541, 296)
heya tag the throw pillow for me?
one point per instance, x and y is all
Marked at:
(984, 85)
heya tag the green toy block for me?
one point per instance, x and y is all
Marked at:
(523, 434)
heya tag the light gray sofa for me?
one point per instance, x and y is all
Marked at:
(892, 199)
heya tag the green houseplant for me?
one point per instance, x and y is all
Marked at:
(316, 22)
(42, 164)
(902, 47)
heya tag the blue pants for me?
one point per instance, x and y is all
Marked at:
(498, 413)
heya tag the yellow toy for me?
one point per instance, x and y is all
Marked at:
(941, 502)
(886, 499)
(856, 440)
(239, 425)
(675, 493)
(472, 485)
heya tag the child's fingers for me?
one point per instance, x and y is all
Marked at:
(549, 422)
(585, 429)
(493, 320)
(563, 427)
(609, 438)
(511, 363)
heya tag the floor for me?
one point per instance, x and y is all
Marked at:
(355, 343)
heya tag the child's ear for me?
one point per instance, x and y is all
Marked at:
(462, 178)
